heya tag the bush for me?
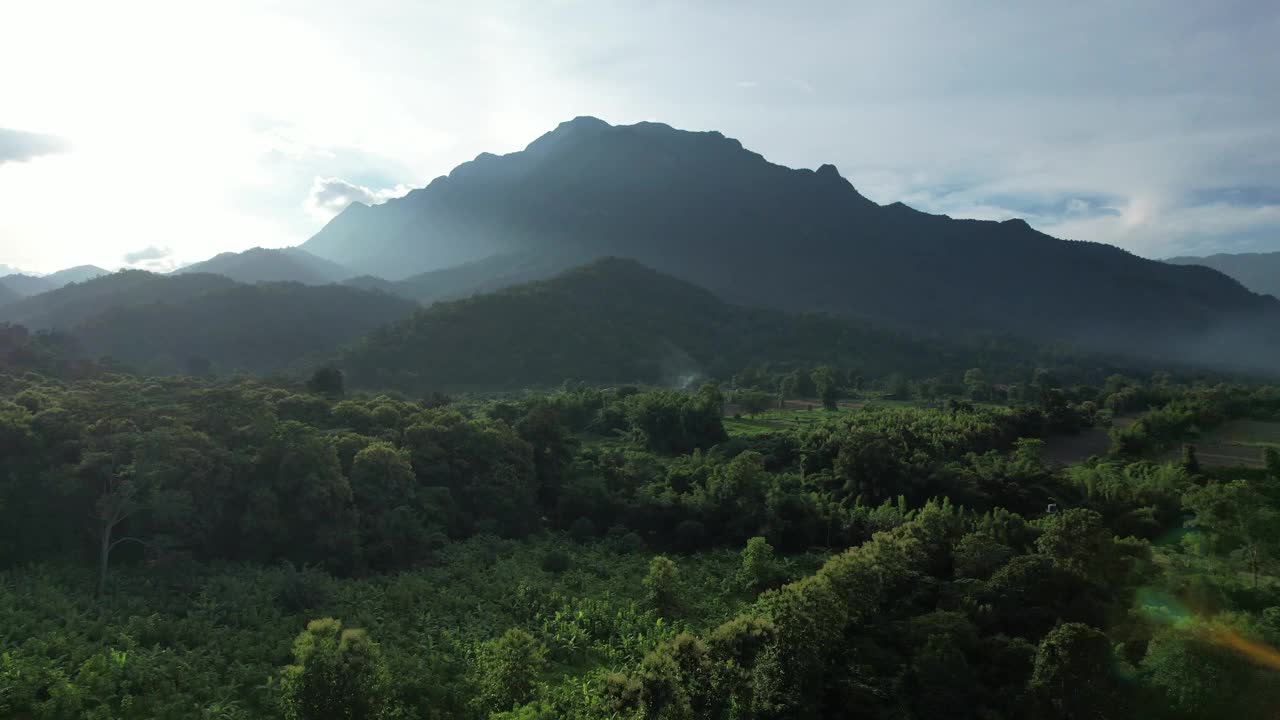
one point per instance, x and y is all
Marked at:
(582, 530)
(555, 561)
(336, 674)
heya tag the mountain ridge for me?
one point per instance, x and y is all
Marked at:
(259, 264)
(614, 320)
(1259, 272)
(27, 285)
(699, 206)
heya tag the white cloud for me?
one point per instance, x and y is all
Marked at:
(953, 107)
(19, 146)
(153, 258)
(330, 196)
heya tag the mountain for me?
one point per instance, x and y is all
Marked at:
(27, 285)
(68, 306)
(7, 295)
(480, 276)
(264, 327)
(270, 265)
(615, 320)
(1260, 272)
(700, 207)
(77, 274)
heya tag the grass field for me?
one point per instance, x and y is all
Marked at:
(795, 413)
(1238, 442)
(1062, 450)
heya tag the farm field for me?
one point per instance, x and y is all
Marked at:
(793, 414)
(1238, 442)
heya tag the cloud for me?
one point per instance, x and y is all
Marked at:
(147, 253)
(20, 146)
(330, 196)
(153, 258)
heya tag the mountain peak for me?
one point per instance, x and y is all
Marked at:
(583, 122)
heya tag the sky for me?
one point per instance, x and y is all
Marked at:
(152, 134)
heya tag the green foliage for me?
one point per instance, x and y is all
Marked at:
(760, 569)
(509, 669)
(930, 580)
(336, 673)
(1073, 674)
(662, 585)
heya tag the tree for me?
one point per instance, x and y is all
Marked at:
(753, 402)
(797, 384)
(827, 385)
(552, 449)
(326, 380)
(1072, 674)
(394, 528)
(759, 567)
(662, 584)
(1078, 541)
(975, 382)
(336, 674)
(509, 670)
(300, 504)
(1237, 517)
(129, 480)
(978, 555)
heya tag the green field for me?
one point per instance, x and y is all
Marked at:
(1238, 442)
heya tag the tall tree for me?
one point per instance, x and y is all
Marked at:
(336, 674)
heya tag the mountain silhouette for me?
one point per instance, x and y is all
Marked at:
(270, 265)
(8, 295)
(1260, 272)
(699, 206)
(27, 285)
(68, 306)
(615, 320)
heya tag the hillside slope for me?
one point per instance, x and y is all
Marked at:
(615, 320)
(1260, 272)
(26, 285)
(264, 327)
(702, 208)
(272, 265)
(68, 306)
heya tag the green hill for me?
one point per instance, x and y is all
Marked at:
(699, 206)
(68, 306)
(615, 320)
(266, 327)
(270, 265)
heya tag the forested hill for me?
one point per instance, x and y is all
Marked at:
(8, 295)
(204, 324)
(702, 208)
(1260, 272)
(257, 328)
(615, 320)
(68, 306)
(25, 285)
(272, 265)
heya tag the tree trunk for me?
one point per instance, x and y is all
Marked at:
(104, 555)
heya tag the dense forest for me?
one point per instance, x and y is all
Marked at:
(183, 546)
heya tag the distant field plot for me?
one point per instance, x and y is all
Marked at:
(1239, 442)
(1069, 449)
(797, 413)
(773, 420)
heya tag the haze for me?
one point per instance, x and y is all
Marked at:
(149, 134)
